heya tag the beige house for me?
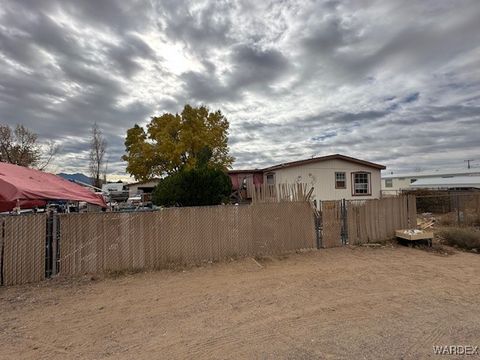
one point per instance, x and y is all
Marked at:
(333, 177)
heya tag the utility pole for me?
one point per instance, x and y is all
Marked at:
(468, 163)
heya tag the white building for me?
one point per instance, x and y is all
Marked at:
(451, 183)
(333, 177)
(392, 184)
(142, 187)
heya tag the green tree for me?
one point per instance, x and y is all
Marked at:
(201, 185)
(172, 143)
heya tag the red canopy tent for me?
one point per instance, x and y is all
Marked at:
(30, 188)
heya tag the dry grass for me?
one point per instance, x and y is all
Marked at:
(448, 219)
(467, 217)
(465, 238)
(438, 249)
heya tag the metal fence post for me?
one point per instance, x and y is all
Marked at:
(51, 244)
(48, 246)
(54, 242)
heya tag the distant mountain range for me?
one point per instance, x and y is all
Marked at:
(77, 177)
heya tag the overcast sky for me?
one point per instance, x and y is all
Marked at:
(391, 81)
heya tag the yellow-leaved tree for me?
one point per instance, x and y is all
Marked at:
(174, 142)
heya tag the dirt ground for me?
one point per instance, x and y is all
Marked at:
(358, 303)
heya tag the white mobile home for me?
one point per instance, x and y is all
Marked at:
(393, 184)
(333, 177)
(449, 183)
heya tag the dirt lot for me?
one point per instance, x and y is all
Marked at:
(338, 303)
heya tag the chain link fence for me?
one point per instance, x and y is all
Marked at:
(22, 249)
(450, 208)
(34, 247)
(99, 242)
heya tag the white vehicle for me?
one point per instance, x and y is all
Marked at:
(112, 187)
(115, 191)
(135, 200)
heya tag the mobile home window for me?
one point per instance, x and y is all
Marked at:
(340, 180)
(270, 179)
(361, 183)
(388, 183)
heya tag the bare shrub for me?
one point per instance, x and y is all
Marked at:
(466, 238)
(448, 219)
(467, 217)
(473, 218)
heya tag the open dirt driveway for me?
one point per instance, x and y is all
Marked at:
(337, 303)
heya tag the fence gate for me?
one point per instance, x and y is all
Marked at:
(333, 223)
(353, 222)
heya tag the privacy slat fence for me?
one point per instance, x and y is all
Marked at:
(359, 222)
(22, 247)
(99, 242)
(32, 248)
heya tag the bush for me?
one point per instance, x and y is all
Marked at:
(448, 219)
(193, 187)
(466, 238)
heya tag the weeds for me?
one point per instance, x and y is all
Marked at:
(437, 248)
(114, 274)
(465, 238)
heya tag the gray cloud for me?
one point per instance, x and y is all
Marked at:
(256, 67)
(200, 27)
(390, 81)
(252, 70)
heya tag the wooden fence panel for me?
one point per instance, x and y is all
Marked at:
(23, 249)
(412, 211)
(331, 224)
(101, 242)
(366, 221)
(369, 219)
(374, 220)
(353, 222)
